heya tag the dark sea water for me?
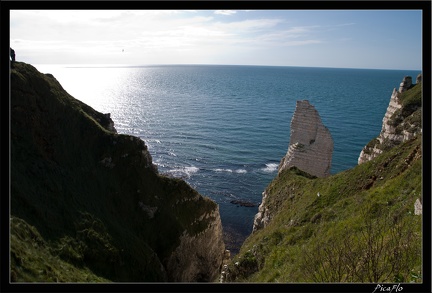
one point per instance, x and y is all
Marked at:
(224, 129)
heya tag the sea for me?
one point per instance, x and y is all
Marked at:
(225, 128)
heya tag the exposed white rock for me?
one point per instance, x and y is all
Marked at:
(262, 218)
(418, 207)
(311, 145)
(405, 84)
(388, 132)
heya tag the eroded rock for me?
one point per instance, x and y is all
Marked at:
(311, 144)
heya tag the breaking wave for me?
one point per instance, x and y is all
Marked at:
(238, 171)
(183, 172)
(270, 167)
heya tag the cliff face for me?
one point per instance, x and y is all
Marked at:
(311, 145)
(96, 199)
(401, 122)
(200, 253)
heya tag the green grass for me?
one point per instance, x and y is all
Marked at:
(412, 98)
(34, 260)
(306, 240)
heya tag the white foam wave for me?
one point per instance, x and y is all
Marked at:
(223, 170)
(159, 164)
(238, 171)
(191, 170)
(270, 167)
(183, 171)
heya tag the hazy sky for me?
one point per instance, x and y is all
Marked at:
(386, 39)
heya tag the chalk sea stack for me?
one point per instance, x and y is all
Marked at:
(311, 145)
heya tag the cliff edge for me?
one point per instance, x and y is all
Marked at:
(401, 122)
(87, 203)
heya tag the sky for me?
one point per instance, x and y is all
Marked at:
(376, 39)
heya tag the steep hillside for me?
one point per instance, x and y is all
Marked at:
(361, 225)
(88, 200)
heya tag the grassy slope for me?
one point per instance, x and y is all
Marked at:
(87, 192)
(361, 228)
(33, 260)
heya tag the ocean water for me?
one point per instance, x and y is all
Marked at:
(224, 129)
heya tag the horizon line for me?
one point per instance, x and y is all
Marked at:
(122, 65)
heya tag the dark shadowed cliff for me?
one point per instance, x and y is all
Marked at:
(87, 204)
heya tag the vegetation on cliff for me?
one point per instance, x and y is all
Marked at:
(87, 204)
(359, 225)
(362, 227)
(406, 121)
(409, 117)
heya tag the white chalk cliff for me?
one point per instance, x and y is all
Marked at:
(311, 145)
(390, 132)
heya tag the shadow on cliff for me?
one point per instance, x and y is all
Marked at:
(93, 200)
